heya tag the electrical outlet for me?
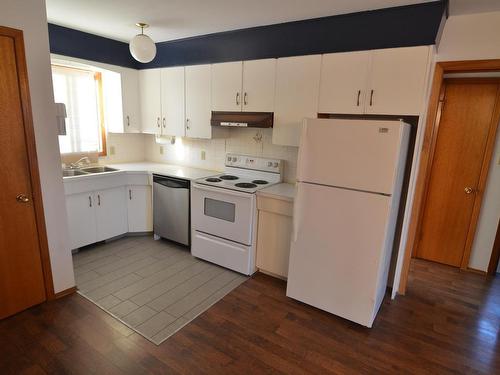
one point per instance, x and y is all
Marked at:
(161, 150)
(203, 155)
(111, 150)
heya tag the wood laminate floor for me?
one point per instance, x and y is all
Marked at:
(447, 324)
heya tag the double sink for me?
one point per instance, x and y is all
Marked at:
(87, 170)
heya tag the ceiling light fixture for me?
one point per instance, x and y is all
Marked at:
(142, 47)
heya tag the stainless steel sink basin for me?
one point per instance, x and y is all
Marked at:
(99, 169)
(72, 172)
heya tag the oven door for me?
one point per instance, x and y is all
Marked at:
(223, 213)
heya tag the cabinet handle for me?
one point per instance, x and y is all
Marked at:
(128, 121)
(90, 201)
(98, 200)
(164, 122)
(371, 97)
(158, 121)
(245, 101)
(237, 98)
(357, 101)
(187, 124)
(130, 194)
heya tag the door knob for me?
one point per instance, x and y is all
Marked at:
(468, 190)
(21, 198)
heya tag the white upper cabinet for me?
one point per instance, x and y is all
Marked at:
(384, 82)
(172, 101)
(130, 101)
(150, 92)
(198, 101)
(297, 91)
(226, 86)
(344, 77)
(398, 79)
(259, 78)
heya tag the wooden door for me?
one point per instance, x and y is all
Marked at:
(150, 95)
(397, 81)
(466, 123)
(226, 86)
(198, 101)
(259, 77)
(343, 82)
(297, 91)
(21, 274)
(172, 101)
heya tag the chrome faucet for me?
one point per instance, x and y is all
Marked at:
(79, 163)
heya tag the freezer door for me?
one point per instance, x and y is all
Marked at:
(338, 244)
(358, 154)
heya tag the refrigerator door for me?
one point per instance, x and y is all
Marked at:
(357, 154)
(338, 244)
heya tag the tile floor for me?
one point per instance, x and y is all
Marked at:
(155, 287)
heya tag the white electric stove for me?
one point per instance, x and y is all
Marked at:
(224, 211)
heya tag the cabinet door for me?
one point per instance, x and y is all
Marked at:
(81, 219)
(111, 213)
(130, 101)
(150, 92)
(198, 101)
(172, 101)
(259, 77)
(226, 86)
(140, 209)
(344, 77)
(398, 79)
(297, 89)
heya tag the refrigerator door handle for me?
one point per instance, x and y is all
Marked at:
(296, 216)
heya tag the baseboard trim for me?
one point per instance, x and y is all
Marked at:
(479, 272)
(66, 292)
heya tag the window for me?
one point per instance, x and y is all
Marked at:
(81, 91)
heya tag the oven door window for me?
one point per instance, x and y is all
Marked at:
(220, 209)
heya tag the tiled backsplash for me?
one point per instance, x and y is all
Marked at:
(188, 152)
(255, 142)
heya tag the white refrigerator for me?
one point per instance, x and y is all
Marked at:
(349, 174)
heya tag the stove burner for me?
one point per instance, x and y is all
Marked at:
(228, 177)
(260, 182)
(246, 185)
(213, 179)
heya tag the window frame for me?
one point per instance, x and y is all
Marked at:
(100, 107)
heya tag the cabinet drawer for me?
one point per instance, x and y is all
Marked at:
(277, 206)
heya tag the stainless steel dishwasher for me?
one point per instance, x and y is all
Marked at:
(171, 209)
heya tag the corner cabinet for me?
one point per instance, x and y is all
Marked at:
(297, 91)
(382, 82)
(274, 235)
(198, 101)
(139, 208)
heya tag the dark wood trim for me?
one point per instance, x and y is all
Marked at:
(427, 152)
(17, 35)
(66, 292)
(102, 125)
(495, 254)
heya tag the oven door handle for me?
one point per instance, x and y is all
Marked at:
(221, 190)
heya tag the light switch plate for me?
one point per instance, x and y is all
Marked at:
(203, 155)
(161, 150)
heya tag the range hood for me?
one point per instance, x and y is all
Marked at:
(242, 119)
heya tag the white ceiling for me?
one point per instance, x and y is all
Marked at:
(175, 19)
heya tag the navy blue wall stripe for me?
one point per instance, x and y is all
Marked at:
(405, 26)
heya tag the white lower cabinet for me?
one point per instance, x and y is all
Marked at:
(273, 235)
(81, 219)
(114, 209)
(139, 208)
(110, 213)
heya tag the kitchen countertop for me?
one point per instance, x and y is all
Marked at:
(147, 167)
(171, 170)
(284, 191)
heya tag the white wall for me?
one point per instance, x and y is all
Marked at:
(477, 37)
(256, 142)
(30, 16)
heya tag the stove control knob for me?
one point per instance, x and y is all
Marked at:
(269, 163)
(275, 164)
(229, 158)
(234, 159)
